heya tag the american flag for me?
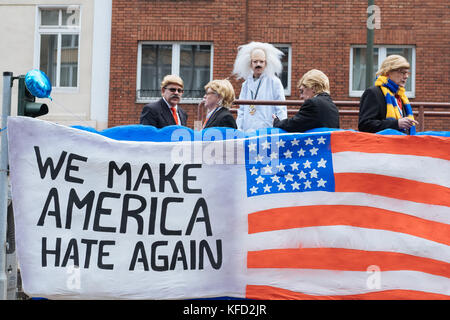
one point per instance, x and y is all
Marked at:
(348, 215)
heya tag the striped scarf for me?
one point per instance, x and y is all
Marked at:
(390, 89)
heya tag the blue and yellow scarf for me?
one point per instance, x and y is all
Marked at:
(390, 89)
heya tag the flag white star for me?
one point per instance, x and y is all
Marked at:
(313, 151)
(301, 152)
(288, 154)
(259, 158)
(275, 179)
(289, 177)
(307, 184)
(259, 180)
(273, 155)
(281, 186)
(267, 169)
(280, 143)
(307, 164)
(265, 145)
(267, 188)
(254, 189)
(321, 163)
(321, 140)
(313, 173)
(295, 186)
(254, 171)
(302, 175)
(252, 147)
(309, 141)
(295, 142)
(294, 166)
(321, 183)
(280, 167)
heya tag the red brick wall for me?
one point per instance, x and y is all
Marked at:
(319, 32)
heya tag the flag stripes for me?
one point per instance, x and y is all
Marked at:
(274, 293)
(358, 216)
(343, 259)
(426, 146)
(393, 187)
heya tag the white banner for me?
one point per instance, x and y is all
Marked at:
(324, 215)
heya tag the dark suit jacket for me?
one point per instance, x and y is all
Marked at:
(372, 112)
(221, 118)
(158, 114)
(317, 112)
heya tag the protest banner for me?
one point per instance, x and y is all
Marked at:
(322, 215)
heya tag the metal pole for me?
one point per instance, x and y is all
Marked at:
(369, 50)
(6, 111)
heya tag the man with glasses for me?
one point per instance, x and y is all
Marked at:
(165, 111)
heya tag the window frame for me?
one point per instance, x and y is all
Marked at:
(287, 90)
(176, 45)
(59, 31)
(382, 51)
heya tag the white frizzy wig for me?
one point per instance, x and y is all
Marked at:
(242, 64)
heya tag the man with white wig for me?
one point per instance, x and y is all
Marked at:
(259, 64)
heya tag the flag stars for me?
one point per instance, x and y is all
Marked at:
(254, 189)
(288, 154)
(258, 158)
(301, 152)
(309, 141)
(321, 183)
(280, 167)
(281, 186)
(275, 179)
(321, 140)
(253, 171)
(295, 186)
(307, 164)
(295, 142)
(294, 166)
(252, 147)
(314, 151)
(267, 188)
(307, 184)
(322, 163)
(313, 173)
(259, 180)
(273, 155)
(267, 169)
(281, 143)
(289, 177)
(265, 145)
(302, 175)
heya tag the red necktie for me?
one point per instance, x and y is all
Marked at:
(174, 113)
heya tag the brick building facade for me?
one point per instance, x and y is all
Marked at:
(325, 35)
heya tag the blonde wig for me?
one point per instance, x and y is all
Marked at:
(242, 64)
(315, 79)
(392, 62)
(224, 89)
(172, 79)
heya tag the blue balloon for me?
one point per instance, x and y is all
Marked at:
(38, 83)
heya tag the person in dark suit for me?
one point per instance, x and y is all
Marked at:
(385, 105)
(317, 110)
(218, 98)
(165, 111)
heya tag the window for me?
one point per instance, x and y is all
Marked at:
(59, 33)
(358, 66)
(191, 61)
(286, 62)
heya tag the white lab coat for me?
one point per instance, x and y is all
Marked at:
(270, 88)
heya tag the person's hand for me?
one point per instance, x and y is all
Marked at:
(275, 119)
(406, 123)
